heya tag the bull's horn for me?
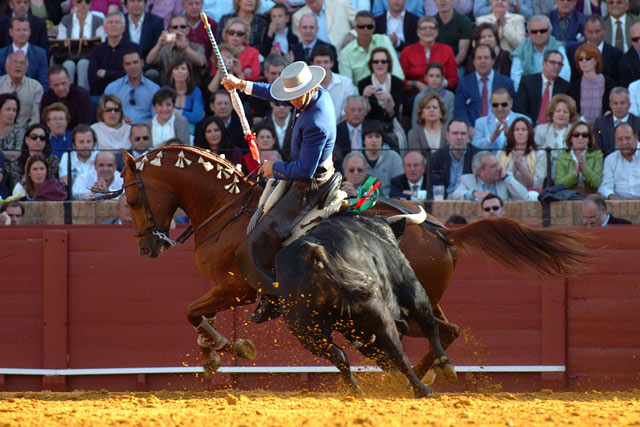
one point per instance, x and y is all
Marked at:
(416, 218)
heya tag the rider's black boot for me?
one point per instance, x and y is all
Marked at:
(267, 309)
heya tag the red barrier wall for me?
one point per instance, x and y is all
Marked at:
(81, 297)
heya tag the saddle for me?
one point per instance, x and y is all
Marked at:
(326, 201)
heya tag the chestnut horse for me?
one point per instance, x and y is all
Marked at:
(219, 200)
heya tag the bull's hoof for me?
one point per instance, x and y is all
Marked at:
(355, 389)
(212, 364)
(422, 392)
(430, 377)
(244, 348)
(445, 371)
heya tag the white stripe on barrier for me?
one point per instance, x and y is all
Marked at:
(262, 370)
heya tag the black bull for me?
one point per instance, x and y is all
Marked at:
(348, 275)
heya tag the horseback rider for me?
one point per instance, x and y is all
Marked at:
(308, 174)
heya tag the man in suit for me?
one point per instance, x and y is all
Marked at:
(399, 24)
(536, 90)
(20, 31)
(618, 24)
(449, 163)
(354, 171)
(280, 119)
(308, 31)
(567, 22)
(335, 20)
(491, 130)
(594, 34)
(604, 127)
(473, 91)
(488, 176)
(595, 213)
(38, 26)
(630, 62)
(349, 131)
(140, 27)
(76, 99)
(413, 184)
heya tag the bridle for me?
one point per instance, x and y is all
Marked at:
(162, 232)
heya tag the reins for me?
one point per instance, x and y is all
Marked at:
(162, 232)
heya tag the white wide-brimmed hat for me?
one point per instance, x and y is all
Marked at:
(296, 80)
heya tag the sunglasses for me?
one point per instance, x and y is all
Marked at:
(236, 33)
(499, 104)
(635, 39)
(556, 63)
(138, 138)
(132, 99)
(491, 208)
(112, 110)
(580, 134)
(83, 1)
(35, 136)
(179, 27)
(542, 31)
(379, 61)
(355, 170)
(584, 59)
(365, 27)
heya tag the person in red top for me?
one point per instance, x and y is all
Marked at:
(415, 58)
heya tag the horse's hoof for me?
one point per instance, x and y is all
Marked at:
(355, 389)
(446, 373)
(244, 348)
(212, 364)
(430, 377)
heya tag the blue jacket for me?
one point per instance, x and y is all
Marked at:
(468, 99)
(38, 63)
(575, 27)
(152, 27)
(312, 138)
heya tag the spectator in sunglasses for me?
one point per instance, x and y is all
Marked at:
(174, 43)
(383, 90)
(591, 88)
(492, 206)
(36, 143)
(491, 130)
(354, 171)
(236, 33)
(245, 10)
(111, 129)
(580, 166)
(140, 138)
(527, 57)
(354, 58)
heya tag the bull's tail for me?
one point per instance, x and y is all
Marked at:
(551, 252)
(351, 285)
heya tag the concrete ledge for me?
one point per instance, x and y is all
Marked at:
(562, 213)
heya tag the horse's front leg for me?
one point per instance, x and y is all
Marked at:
(202, 313)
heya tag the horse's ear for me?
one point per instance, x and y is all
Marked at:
(129, 161)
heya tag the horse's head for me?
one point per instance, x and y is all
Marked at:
(152, 206)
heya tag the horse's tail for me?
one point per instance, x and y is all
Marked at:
(352, 286)
(551, 252)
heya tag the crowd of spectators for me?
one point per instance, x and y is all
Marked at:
(478, 97)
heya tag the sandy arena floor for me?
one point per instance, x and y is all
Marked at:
(260, 408)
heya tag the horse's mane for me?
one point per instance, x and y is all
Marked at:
(201, 153)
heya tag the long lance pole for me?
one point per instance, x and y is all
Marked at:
(249, 136)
